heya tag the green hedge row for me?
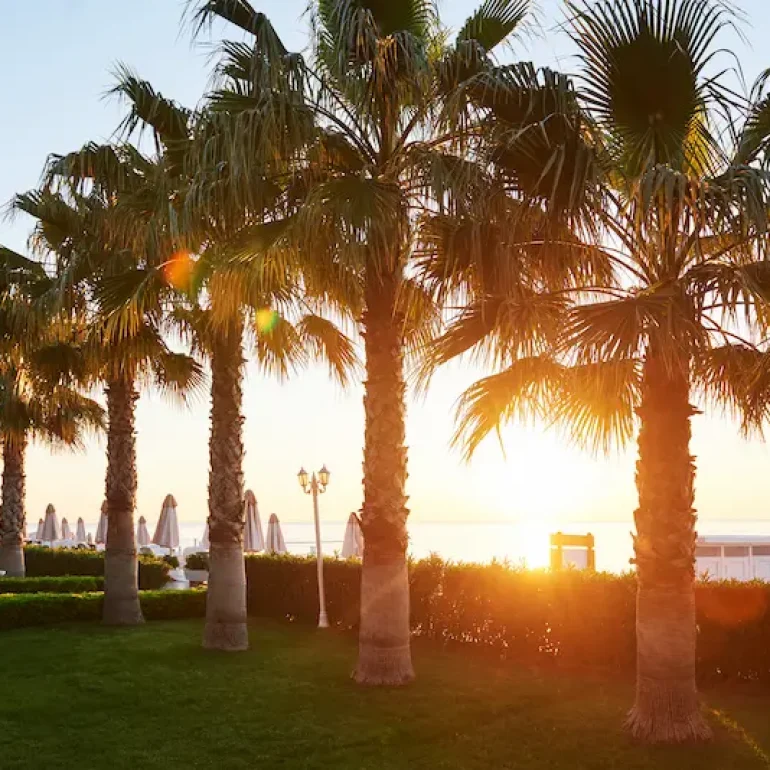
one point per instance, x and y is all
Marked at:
(70, 584)
(57, 562)
(22, 610)
(572, 618)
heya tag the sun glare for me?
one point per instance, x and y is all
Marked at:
(266, 320)
(178, 270)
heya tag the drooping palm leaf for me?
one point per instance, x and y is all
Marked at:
(494, 21)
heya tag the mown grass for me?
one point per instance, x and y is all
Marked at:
(88, 697)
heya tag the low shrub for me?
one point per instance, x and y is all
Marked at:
(173, 605)
(21, 610)
(198, 561)
(172, 561)
(57, 562)
(153, 573)
(50, 585)
(286, 587)
(571, 618)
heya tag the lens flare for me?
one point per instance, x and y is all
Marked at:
(178, 270)
(266, 320)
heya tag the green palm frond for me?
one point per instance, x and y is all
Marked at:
(621, 329)
(242, 14)
(754, 138)
(643, 72)
(494, 21)
(593, 403)
(178, 375)
(340, 17)
(149, 108)
(112, 169)
(279, 348)
(522, 392)
(128, 298)
(324, 341)
(421, 315)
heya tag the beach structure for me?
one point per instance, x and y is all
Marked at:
(274, 543)
(101, 528)
(80, 531)
(353, 542)
(51, 530)
(575, 551)
(253, 538)
(733, 557)
(39, 531)
(167, 531)
(142, 534)
(66, 532)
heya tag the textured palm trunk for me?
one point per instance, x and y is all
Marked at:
(226, 600)
(384, 656)
(12, 508)
(667, 707)
(121, 592)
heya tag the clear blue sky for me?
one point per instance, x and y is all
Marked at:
(56, 58)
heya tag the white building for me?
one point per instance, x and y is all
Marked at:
(733, 557)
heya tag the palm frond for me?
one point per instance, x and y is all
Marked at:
(643, 73)
(326, 342)
(494, 21)
(523, 392)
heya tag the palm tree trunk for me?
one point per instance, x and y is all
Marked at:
(121, 592)
(667, 707)
(12, 507)
(226, 600)
(384, 656)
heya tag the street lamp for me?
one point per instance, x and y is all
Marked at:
(315, 485)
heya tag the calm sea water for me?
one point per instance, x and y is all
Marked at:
(520, 543)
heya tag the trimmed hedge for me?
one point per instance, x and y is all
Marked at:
(22, 610)
(57, 562)
(570, 618)
(51, 585)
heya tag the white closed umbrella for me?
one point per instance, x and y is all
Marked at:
(205, 539)
(80, 532)
(90, 539)
(274, 542)
(51, 529)
(39, 531)
(142, 535)
(101, 527)
(253, 539)
(66, 532)
(167, 531)
(353, 543)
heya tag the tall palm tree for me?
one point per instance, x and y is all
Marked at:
(195, 276)
(39, 399)
(79, 232)
(682, 215)
(378, 95)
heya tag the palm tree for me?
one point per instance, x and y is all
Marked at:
(194, 275)
(38, 400)
(378, 96)
(681, 215)
(79, 231)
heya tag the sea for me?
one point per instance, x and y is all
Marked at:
(524, 543)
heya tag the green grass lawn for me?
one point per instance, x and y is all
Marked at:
(87, 697)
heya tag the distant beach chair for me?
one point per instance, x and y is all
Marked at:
(575, 551)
